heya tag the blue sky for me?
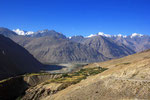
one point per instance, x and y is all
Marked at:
(77, 17)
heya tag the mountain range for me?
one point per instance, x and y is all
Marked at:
(49, 46)
(135, 41)
(53, 47)
(106, 46)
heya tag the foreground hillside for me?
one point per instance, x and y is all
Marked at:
(37, 86)
(126, 78)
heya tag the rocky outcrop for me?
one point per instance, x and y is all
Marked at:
(37, 79)
(12, 88)
(42, 90)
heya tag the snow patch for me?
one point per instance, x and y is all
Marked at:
(70, 37)
(102, 34)
(136, 35)
(119, 35)
(92, 35)
(99, 33)
(21, 32)
(125, 36)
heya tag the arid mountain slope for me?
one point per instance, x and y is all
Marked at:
(54, 50)
(137, 44)
(127, 78)
(52, 47)
(124, 60)
(49, 46)
(107, 47)
(15, 60)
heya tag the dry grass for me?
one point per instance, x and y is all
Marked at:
(125, 60)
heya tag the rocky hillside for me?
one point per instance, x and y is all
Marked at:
(49, 46)
(107, 47)
(52, 47)
(15, 87)
(54, 50)
(15, 60)
(53, 86)
(135, 43)
(127, 78)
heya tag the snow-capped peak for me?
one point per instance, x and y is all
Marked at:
(70, 37)
(125, 36)
(92, 35)
(108, 35)
(136, 34)
(99, 33)
(119, 35)
(21, 32)
(102, 34)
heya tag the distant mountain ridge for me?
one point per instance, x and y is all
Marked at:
(58, 50)
(133, 35)
(135, 41)
(39, 33)
(31, 33)
(107, 47)
(49, 46)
